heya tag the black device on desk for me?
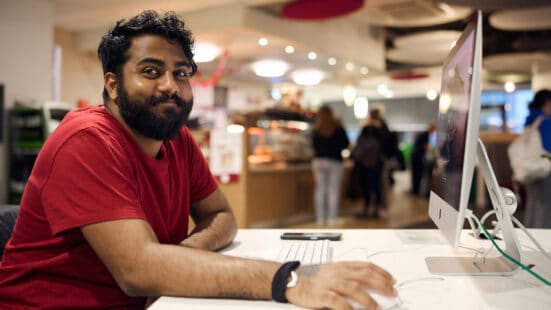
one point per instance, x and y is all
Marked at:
(333, 236)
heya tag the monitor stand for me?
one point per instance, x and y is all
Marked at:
(473, 265)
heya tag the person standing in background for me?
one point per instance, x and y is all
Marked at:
(369, 157)
(392, 155)
(420, 149)
(328, 139)
(538, 195)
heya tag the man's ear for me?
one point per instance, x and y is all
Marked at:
(110, 84)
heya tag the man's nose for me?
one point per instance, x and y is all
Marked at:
(167, 84)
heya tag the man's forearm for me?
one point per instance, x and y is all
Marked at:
(213, 232)
(176, 271)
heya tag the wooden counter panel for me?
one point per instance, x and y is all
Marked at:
(279, 194)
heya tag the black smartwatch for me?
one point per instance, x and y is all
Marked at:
(284, 278)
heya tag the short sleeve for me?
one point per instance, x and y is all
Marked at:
(90, 181)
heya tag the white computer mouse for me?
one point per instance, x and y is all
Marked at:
(385, 302)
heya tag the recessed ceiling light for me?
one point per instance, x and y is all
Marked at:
(364, 70)
(307, 76)
(349, 66)
(270, 67)
(312, 55)
(262, 41)
(332, 61)
(289, 49)
(205, 52)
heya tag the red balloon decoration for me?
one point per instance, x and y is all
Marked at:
(215, 77)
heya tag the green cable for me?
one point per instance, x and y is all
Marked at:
(521, 265)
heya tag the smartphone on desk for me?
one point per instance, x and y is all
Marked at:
(333, 236)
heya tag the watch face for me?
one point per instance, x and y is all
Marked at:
(294, 279)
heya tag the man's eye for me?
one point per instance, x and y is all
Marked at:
(151, 71)
(182, 75)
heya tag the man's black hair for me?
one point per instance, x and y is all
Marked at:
(540, 99)
(114, 45)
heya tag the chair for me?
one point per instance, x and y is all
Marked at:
(8, 215)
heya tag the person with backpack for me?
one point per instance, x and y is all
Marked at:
(368, 156)
(538, 195)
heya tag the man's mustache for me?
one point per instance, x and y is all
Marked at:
(154, 100)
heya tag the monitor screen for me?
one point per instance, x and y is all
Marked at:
(457, 133)
(452, 124)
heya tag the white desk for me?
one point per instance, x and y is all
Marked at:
(402, 253)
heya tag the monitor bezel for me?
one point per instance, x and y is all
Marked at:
(448, 219)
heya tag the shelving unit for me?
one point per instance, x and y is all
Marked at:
(27, 132)
(28, 128)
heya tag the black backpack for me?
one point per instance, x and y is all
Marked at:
(368, 151)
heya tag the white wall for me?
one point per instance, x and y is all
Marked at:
(81, 73)
(541, 79)
(26, 36)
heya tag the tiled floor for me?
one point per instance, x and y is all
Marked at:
(404, 211)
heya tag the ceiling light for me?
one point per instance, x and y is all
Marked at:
(509, 86)
(234, 128)
(388, 94)
(205, 52)
(382, 88)
(361, 107)
(262, 41)
(349, 66)
(432, 94)
(289, 49)
(307, 76)
(312, 55)
(270, 67)
(364, 70)
(332, 61)
(349, 93)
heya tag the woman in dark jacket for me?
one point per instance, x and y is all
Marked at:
(328, 139)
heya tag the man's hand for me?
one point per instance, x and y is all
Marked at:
(215, 225)
(330, 285)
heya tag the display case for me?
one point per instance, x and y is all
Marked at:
(280, 137)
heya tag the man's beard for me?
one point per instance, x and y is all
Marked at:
(140, 117)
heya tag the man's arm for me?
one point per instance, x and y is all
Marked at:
(142, 266)
(215, 225)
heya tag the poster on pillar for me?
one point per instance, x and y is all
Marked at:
(226, 155)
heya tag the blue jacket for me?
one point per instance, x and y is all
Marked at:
(545, 127)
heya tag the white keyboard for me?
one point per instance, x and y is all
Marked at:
(307, 252)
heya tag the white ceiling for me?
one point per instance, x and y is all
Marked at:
(236, 25)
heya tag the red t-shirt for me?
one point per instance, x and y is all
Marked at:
(91, 170)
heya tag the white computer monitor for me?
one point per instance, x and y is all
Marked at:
(456, 133)
(457, 149)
